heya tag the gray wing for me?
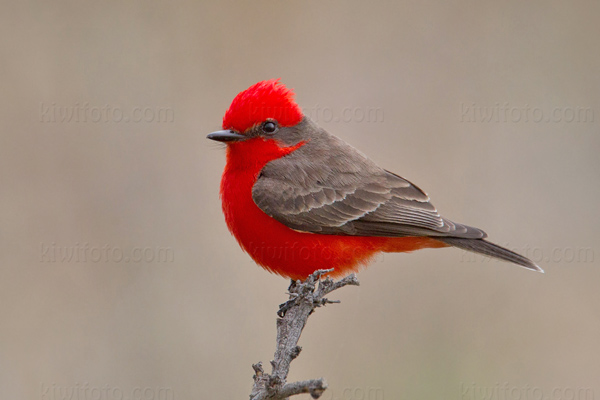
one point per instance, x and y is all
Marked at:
(312, 190)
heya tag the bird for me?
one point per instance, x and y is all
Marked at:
(299, 199)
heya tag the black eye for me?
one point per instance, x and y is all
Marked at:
(269, 127)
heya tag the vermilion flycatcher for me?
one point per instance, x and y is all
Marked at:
(299, 199)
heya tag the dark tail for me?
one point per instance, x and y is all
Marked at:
(490, 249)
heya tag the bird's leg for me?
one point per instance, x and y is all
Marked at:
(302, 289)
(283, 308)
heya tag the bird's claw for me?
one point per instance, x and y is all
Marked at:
(285, 307)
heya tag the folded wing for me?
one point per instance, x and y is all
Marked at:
(350, 197)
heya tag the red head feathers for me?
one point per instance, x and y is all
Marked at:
(261, 101)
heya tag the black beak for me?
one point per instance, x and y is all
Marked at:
(226, 136)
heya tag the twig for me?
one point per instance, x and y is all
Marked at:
(305, 297)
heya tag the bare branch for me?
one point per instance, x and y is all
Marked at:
(305, 297)
(315, 387)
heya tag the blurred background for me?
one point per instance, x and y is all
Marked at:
(119, 279)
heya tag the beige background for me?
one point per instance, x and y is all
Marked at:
(432, 325)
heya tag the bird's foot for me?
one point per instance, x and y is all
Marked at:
(285, 307)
